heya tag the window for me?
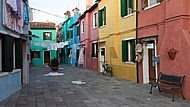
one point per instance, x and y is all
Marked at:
(126, 7)
(102, 17)
(71, 34)
(47, 35)
(128, 50)
(147, 3)
(82, 30)
(95, 49)
(35, 54)
(78, 30)
(95, 20)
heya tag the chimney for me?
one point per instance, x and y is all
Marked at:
(67, 14)
(89, 3)
(75, 10)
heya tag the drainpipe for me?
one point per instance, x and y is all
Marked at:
(137, 38)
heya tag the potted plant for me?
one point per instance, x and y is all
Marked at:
(54, 64)
(172, 53)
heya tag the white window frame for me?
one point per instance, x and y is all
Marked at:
(82, 26)
(50, 35)
(95, 21)
(151, 5)
(129, 50)
(95, 50)
(103, 20)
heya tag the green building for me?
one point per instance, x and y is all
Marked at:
(43, 47)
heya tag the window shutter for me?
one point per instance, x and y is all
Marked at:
(124, 51)
(131, 4)
(123, 8)
(18, 53)
(100, 18)
(133, 50)
(104, 15)
(7, 53)
(78, 31)
(71, 34)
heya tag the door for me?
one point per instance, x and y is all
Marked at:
(46, 57)
(152, 71)
(102, 57)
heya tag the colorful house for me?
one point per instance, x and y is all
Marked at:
(67, 37)
(14, 48)
(89, 37)
(158, 35)
(60, 39)
(41, 47)
(75, 32)
(117, 34)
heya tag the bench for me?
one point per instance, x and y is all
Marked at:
(170, 82)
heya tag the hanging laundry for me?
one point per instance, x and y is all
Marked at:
(13, 4)
(19, 9)
(26, 13)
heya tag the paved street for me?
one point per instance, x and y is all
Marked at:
(99, 91)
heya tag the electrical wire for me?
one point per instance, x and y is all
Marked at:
(46, 12)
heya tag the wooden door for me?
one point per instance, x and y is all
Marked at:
(46, 57)
(152, 72)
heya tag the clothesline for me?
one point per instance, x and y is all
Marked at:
(51, 46)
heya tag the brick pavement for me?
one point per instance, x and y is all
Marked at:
(99, 91)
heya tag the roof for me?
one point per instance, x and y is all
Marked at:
(46, 24)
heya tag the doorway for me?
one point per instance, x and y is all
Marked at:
(46, 57)
(102, 58)
(149, 65)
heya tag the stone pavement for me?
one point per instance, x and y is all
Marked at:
(99, 91)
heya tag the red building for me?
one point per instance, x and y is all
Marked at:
(163, 26)
(89, 36)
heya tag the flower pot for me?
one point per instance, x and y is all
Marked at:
(172, 55)
(54, 68)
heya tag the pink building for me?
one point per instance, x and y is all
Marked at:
(89, 36)
(163, 26)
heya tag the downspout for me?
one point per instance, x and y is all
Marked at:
(137, 70)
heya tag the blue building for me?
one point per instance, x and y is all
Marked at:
(67, 37)
(14, 48)
(75, 43)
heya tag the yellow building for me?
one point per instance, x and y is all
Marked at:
(117, 34)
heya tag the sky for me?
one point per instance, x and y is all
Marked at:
(57, 7)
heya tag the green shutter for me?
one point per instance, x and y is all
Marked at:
(132, 4)
(123, 8)
(127, 6)
(124, 51)
(104, 15)
(100, 18)
(133, 50)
